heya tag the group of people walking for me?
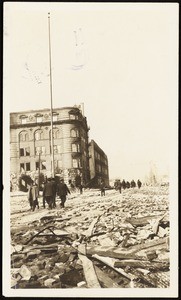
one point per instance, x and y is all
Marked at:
(51, 189)
(118, 185)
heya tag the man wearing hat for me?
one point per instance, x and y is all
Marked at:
(48, 193)
(62, 191)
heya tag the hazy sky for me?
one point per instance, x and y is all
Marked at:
(121, 63)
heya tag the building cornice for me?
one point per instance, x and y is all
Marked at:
(47, 123)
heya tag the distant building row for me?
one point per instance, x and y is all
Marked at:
(30, 146)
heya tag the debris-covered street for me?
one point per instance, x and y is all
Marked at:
(113, 241)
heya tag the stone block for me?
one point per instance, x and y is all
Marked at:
(82, 284)
(33, 254)
(49, 282)
(25, 272)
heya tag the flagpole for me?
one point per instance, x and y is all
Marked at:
(52, 148)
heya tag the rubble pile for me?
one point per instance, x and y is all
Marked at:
(115, 241)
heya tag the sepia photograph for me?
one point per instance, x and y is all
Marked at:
(90, 149)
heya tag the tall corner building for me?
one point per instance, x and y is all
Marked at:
(30, 143)
(98, 163)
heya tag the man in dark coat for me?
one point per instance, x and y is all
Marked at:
(48, 193)
(127, 184)
(124, 184)
(62, 191)
(133, 184)
(139, 183)
(102, 188)
(119, 185)
(54, 187)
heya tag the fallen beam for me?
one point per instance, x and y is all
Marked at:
(144, 220)
(88, 268)
(89, 231)
(133, 252)
(153, 266)
(105, 280)
(110, 263)
(157, 280)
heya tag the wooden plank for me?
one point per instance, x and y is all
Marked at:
(110, 262)
(106, 281)
(144, 220)
(157, 280)
(89, 231)
(133, 252)
(156, 223)
(154, 266)
(88, 267)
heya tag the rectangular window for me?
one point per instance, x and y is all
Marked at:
(55, 117)
(37, 165)
(72, 117)
(74, 148)
(21, 150)
(75, 163)
(22, 167)
(37, 150)
(43, 165)
(27, 166)
(59, 164)
(38, 119)
(23, 121)
(27, 151)
(40, 150)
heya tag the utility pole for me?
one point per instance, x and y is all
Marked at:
(39, 174)
(52, 144)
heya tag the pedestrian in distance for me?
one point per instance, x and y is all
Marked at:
(30, 198)
(127, 184)
(119, 186)
(133, 184)
(124, 184)
(48, 193)
(62, 191)
(139, 184)
(102, 188)
(81, 188)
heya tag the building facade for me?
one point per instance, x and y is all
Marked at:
(74, 157)
(98, 164)
(30, 143)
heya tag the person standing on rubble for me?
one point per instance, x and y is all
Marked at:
(133, 184)
(33, 196)
(102, 188)
(48, 193)
(62, 191)
(119, 186)
(139, 184)
(127, 184)
(124, 184)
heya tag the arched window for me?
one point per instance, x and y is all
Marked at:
(23, 136)
(56, 133)
(75, 148)
(38, 135)
(74, 133)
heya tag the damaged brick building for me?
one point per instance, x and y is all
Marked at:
(30, 145)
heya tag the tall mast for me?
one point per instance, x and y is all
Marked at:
(51, 112)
